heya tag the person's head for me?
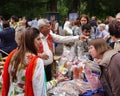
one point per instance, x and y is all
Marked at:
(93, 18)
(44, 26)
(101, 27)
(24, 22)
(86, 29)
(110, 18)
(5, 24)
(30, 40)
(114, 29)
(98, 47)
(77, 22)
(1, 18)
(84, 19)
(118, 17)
(18, 34)
(99, 22)
(14, 19)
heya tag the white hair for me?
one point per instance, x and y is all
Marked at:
(18, 33)
(42, 22)
(102, 25)
(118, 15)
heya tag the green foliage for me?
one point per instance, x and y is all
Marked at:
(63, 11)
(35, 8)
(10, 9)
(26, 8)
(82, 8)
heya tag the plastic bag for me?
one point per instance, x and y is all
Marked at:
(93, 79)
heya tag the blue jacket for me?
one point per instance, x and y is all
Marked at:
(7, 40)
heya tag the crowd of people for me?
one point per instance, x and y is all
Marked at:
(29, 47)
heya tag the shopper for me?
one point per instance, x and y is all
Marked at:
(110, 66)
(23, 73)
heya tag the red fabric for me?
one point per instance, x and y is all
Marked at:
(28, 79)
(50, 44)
(5, 85)
(41, 48)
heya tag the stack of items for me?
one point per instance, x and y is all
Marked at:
(75, 71)
(70, 88)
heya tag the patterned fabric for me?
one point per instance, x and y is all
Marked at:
(22, 86)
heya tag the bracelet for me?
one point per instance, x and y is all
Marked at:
(54, 82)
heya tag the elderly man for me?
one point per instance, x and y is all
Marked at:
(46, 45)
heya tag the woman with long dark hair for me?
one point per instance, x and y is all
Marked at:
(23, 73)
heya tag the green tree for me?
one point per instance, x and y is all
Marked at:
(34, 8)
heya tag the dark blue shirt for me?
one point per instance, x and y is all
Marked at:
(7, 40)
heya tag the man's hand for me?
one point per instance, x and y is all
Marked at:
(43, 56)
(83, 37)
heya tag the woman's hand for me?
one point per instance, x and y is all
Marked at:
(60, 79)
